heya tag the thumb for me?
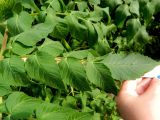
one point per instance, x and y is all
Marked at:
(143, 85)
(154, 87)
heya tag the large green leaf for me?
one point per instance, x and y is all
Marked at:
(100, 75)
(51, 111)
(73, 73)
(34, 35)
(21, 106)
(131, 66)
(19, 23)
(43, 68)
(12, 72)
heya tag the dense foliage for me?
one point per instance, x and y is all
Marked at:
(65, 59)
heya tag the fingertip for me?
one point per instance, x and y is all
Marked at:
(154, 86)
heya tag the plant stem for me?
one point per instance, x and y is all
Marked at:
(4, 44)
(72, 90)
(66, 45)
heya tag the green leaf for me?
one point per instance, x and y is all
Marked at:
(143, 2)
(12, 72)
(4, 90)
(80, 54)
(70, 102)
(126, 67)
(148, 12)
(92, 34)
(127, 1)
(43, 68)
(102, 47)
(30, 4)
(141, 36)
(53, 48)
(134, 7)
(100, 75)
(21, 106)
(133, 25)
(82, 29)
(19, 23)
(6, 9)
(122, 12)
(94, 2)
(77, 30)
(57, 5)
(82, 5)
(68, 116)
(50, 111)
(73, 73)
(34, 35)
(109, 29)
(61, 29)
(17, 7)
(112, 4)
(3, 108)
(71, 5)
(20, 49)
(156, 3)
(100, 13)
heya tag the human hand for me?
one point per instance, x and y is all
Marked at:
(140, 99)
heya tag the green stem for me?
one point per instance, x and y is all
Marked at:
(66, 45)
(72, 90)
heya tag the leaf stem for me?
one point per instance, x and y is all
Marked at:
(72, 90)
(66, 45)
(4, 44)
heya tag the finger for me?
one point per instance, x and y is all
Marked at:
(143, 85)
(154, 87)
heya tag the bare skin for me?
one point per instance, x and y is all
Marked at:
(139, 99)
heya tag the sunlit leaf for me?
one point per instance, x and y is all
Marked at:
(125, 67)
